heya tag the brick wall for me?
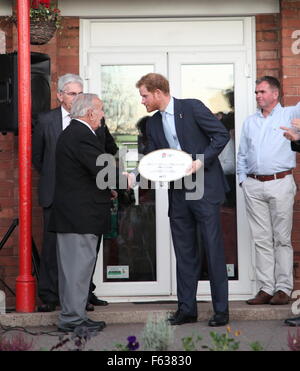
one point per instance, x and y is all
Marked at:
(63, 50)
(274, 57)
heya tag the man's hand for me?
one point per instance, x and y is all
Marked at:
(196, 165)
(131, 179)
(290, 133)
(296, 123)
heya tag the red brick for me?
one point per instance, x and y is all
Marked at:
(291, 101)
(271, 64)
(291, 61)
(9, 260)
(287, 4)
(267, 45)
(267, 54)
(291, 23)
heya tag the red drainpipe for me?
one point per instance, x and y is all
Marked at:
(25, 283)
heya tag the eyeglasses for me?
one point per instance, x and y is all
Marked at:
(72, 93)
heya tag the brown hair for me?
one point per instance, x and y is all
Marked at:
(153, 81)
(272, 81)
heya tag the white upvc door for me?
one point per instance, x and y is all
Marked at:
(129, 265)
(208, 76)
(200, 62)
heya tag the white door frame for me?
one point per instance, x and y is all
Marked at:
(242, 286)
(237, 38)
(162, 285)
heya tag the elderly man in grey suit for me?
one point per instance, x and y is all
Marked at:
(81, 210)
(49, 126)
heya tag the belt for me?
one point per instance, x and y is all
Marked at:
(265, 178)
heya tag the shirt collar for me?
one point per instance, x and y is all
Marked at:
(170, 107)
(64, 112)
(274, 110)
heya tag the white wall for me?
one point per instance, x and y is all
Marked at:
(136, 8)
(5, 7)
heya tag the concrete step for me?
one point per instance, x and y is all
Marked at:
(138, 313)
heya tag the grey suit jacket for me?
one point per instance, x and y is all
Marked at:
(44, 139)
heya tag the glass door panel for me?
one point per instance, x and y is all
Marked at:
(133, 253)
(214, 80)
(213, 84)
(129, 251)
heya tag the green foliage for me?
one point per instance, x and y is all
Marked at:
(189, 344)
(44, 13)
(132, 345)
(222, 342)
(256, 346)
(157, 334)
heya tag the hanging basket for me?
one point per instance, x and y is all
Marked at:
(41, 31)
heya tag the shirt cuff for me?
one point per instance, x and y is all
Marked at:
(242, 177)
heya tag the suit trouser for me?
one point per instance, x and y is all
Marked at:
(185, 218)
(269, 208)
(48, 274)
(76, 256)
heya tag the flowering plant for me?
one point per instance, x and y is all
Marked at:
(44, 10)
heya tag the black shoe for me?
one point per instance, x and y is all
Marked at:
(182, 318)
(173, 315)
(89, 307)
(92, 326)
(293, 321)
(219, 319)
(95, 301)
(98, 323)
(47, 307)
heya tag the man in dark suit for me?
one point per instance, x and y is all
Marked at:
(188, 125)
(81, 211)
(49, 127)
(293, 134)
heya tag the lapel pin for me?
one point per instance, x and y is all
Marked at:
(180, 115)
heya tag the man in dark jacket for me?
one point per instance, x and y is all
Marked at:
(81, 211)
(188, 125)
(49, 126)
(293, 134)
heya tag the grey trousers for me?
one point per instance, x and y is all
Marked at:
(76, 257)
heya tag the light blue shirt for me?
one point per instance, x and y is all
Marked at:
(263, 149)
(170, 121)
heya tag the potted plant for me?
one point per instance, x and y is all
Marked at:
(45, 18)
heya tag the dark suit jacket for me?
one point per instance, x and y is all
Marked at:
(295, 146)
(44, 139)
(45, 135)
(79, 206)
(198, 132)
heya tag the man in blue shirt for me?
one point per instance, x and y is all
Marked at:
(264, 167)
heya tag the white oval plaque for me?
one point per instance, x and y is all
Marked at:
(165, 165)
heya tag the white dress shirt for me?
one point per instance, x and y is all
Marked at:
(65, 118)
